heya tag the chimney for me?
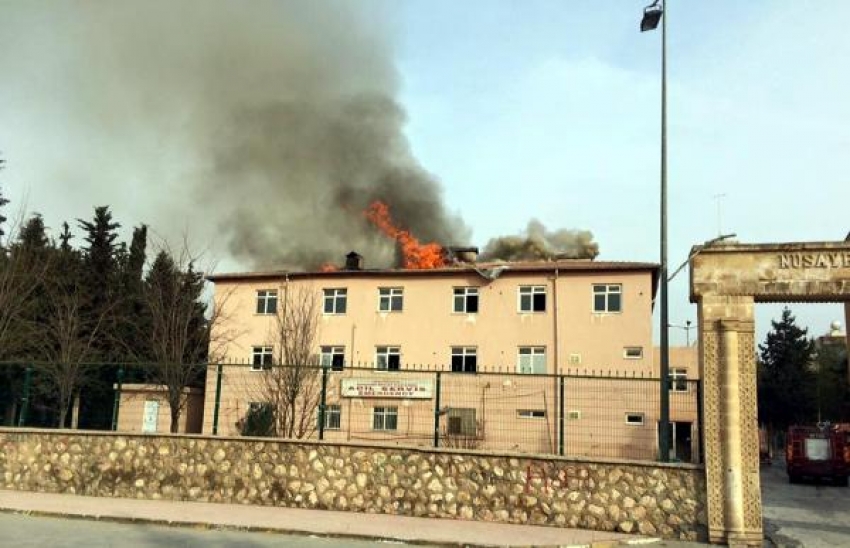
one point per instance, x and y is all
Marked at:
(354, 261)
(464, 254)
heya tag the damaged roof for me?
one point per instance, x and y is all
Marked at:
(564, 265)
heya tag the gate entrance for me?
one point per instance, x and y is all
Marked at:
(726, 281)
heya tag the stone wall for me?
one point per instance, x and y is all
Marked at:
(652, 499)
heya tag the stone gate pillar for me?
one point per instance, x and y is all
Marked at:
(728, 370)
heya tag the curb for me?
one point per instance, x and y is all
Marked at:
(306, 533)
(778, 540)
(225, 527)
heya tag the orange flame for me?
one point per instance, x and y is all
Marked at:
(328, 267)
(417, 256)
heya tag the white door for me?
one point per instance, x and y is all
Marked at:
(151, 414)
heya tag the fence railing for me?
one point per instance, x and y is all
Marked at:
(581, 413)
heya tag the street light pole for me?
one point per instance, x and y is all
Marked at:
(651, 16)
(687, 327)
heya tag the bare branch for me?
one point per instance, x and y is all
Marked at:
(292, 387)
(184, 333)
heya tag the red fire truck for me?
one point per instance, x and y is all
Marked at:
(821, 451)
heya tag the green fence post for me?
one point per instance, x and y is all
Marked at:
(561, 416)
(117, 403)
(323, 401)
(25, 399)
(217, 399)
(437, 412)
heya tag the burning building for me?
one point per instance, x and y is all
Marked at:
(452, 313)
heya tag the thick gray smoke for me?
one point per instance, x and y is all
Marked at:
(264, 127)
(538, 243)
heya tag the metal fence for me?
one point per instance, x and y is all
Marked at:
(581, 413)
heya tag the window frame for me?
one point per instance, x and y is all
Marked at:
(606, 295)
(464, 294)
(386, 412)
(466, 417)
(464, 352)
(264, 297)
(388, 352)
(330, 352)
(678, 377)
(531, 414)
(333, 409)
(630, 414)
(532, 351)
(626, 355)
(265, 353)
(531, 291)
(392, 293)
(335, 295)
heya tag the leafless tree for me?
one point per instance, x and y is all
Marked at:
(68, 339)
(292, 386)
(183, 333)
(21, 273)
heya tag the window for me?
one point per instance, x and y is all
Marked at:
(461, 422)
(335, 301)
(390, 299)
(607, 298)
(532, 360)
(388, 358)
(633, 352)
(573, 414)
(466, 300)
(678, 380)
(634, 418)
(464, 359)
(261, 358)
(532, 298)
(333, 357)
(531, 413)
(384, 418)
(267, 301)
(333, 417)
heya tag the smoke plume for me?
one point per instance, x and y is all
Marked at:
(260, 130)
(266, 128)
(538, 243)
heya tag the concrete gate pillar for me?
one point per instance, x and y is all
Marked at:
(728, 370)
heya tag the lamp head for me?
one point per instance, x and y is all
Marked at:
(651, 17)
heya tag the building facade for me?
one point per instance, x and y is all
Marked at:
(500, 334)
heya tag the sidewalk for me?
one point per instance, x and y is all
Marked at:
(310, 522)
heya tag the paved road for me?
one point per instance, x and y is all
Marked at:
(808, 514)
(23, 531)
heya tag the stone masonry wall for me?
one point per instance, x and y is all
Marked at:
(652, 499)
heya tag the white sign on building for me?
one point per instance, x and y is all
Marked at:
(150, 416)
(372, 388)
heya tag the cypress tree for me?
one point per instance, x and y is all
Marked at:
(786, 377)
(178, 334)
(134, 320)
(99, 256)
(100, 281)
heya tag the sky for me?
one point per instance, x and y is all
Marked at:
(527, 109)
(552, 108)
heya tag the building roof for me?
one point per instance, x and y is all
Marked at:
(485, 269)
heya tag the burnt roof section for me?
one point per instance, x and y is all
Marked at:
(570, 265)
